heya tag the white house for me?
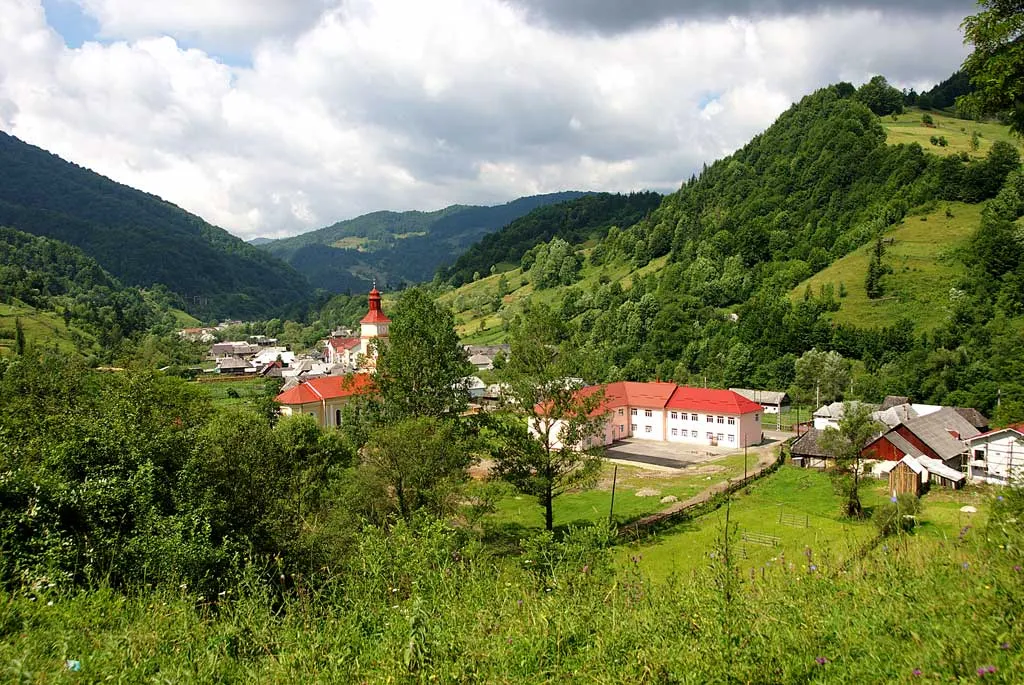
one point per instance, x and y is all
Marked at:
(270, 354)
(997, 456)
(771, 401)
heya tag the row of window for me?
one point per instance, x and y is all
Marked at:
(684, 433)
(693, 417)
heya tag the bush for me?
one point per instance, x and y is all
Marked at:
(900, 513)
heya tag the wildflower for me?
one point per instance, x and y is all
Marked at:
(981, 670)
(965, 565)
(586, 568)
(1004, 645)
(821, 661)
(916, 672)
(1000, 498)
(1017, 568)
(519, 602)
(814, 567)
(893, 499)
(990, 669)
(510, 640)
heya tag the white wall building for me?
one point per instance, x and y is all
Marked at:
(997, 457)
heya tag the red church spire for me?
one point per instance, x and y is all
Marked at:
(375, 314)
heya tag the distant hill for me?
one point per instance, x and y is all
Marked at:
(397, 247)
(63, 299)
(260, 241)
(141, 239)
(574, 221)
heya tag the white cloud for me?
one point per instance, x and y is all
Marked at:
(230, 24)
(403, 104)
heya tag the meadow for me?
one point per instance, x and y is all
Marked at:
(426, 603)
(909, 128)
(924, 253)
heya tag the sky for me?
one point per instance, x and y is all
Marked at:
(275, 117)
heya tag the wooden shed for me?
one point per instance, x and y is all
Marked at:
(906, 475)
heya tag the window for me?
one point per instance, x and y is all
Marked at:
(622, 428)
(648, 413)
(693, 417)
(721, 419)
(732, 437)
(979, 454)
(720, 437)
(711, 419)
(632, 427)
(711, 436)
(647, 429)
(620, 412)
(757, 417)
(732, 421)
(675, 431)
(675, 415)
(693, 434)
(632, 412)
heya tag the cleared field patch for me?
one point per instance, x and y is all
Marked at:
(42, 329)
(909, 128)
(924, 255)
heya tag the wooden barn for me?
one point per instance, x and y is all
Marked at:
(906, 475)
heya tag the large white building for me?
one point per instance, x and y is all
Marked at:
(360, 353)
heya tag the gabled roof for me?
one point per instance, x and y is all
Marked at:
(809, 445)
(762, 396)
(647, 395)
(711, 401)
(1017, 428)
(327, 388)
(232, 363)
(340, 344)
(934, 431)
(891, 401)
(973, 417)
(909, 461)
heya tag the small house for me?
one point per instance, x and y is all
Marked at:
(771, 401)
(906, 475)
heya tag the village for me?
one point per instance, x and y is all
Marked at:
(658, 424)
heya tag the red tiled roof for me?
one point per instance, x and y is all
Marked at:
(710, 401)
(375, 316)
(327, 388)
(340, 344)
(1018, 427)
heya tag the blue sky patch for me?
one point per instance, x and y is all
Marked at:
(67, 18)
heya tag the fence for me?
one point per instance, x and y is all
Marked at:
(649, 524)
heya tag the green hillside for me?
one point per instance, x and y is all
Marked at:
(926, 258)
(141, 239)
(42, 329)
(394, 248)
(909, 128)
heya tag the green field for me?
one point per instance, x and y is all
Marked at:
(42, 329)
(908, 128)
(800, 508)
(232, 393)
(925, 259)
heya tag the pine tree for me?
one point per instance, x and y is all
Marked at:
(19, 338)
(873, 283)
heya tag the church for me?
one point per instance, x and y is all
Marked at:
(359, 354)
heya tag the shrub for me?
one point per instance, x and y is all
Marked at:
(900, 513)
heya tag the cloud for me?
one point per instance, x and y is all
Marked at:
(615, 16)
(225, 25)
(401, 104)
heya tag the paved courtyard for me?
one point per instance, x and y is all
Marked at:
(680, 455)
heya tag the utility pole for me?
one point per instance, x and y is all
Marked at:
(744, 460)
(611, 509)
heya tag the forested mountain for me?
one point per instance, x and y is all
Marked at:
(397, 247)
(139, 238)
(942, 95)
(700, 288)
(575, 221)
(61, 297)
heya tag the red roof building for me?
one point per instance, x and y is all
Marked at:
(324, 397)
(712, 401)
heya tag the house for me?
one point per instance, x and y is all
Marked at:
(928, 471)
(891, 401)
(939, 435)
(771, 402)
(344, 351)
(476, 388)
(204, 335)
(271, 354)
(234, 366)
(482, 362)
(237, 348)
(829, 415)
(807, 450)
(324, 398)
(997, 457)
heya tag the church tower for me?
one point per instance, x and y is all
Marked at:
(373, 326)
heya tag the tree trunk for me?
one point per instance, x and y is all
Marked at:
(549, 514)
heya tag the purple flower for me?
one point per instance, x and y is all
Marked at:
(965, 565)
(1017, 568)
(821, 661)
(1000, 498)
(916, 672)
(1004, 645)
(981, 670)
(893, 499)
(990, 669)
(814, 568)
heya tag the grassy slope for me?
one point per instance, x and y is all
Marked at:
(42, 328)
(925, 263)
(908, 128)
